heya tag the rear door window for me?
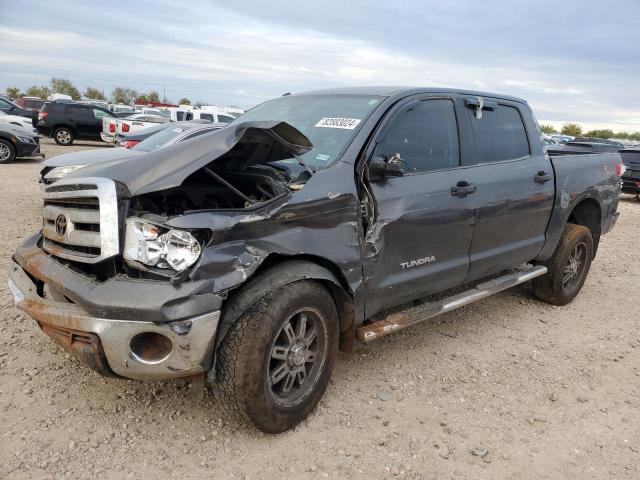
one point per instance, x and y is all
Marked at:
(499, 134)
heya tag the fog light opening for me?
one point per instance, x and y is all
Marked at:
(150, 347)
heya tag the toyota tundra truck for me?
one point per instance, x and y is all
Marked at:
(247, 257)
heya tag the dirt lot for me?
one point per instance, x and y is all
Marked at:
(547, 392)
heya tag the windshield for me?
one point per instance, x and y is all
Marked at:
(328, 121)
(159, 139)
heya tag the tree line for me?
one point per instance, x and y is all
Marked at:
(123, 95)
(575, 130)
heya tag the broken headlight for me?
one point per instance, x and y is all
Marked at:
(155, 246)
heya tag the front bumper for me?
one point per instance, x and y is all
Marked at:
(105, 344)
(28, 150)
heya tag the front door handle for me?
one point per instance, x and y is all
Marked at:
(462, 189)
(542, 177)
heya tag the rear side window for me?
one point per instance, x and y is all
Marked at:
(81, 113)
(425, 135)
(499, 134)
(225, 119)
(206, 116)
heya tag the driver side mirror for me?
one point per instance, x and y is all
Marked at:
(385, 166)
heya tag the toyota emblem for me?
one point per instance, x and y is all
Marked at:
(61, 225)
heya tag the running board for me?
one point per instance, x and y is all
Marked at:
(407, 318)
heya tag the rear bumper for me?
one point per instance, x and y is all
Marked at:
(107, 138)
(105, 344)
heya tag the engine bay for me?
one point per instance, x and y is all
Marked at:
(220, 189)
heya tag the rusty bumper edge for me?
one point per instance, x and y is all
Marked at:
(192, 339)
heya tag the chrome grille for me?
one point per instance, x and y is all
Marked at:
(80, 219)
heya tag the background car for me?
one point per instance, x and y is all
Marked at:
(10, 108)
(17, 120)
(68, 121)
(30, 103)
(133, 138)
(17, 142)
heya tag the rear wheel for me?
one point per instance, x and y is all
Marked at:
(275, 362)
(7, 152)
(568, 267)
(63, 136)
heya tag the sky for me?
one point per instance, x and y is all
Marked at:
(573, 61)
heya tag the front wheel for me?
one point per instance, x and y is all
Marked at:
(275, 362)
(7, 152)
(568, 267)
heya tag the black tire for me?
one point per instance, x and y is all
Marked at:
(568, 267)
(7, 152)
(246, 366)
(63, 136)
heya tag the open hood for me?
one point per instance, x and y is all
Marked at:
(240, 145)
(91, 157)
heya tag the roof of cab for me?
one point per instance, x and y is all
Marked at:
(391, 91)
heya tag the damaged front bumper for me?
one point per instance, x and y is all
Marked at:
(125, 343)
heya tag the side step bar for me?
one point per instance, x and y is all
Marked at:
(407, 318)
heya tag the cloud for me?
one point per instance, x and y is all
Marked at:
(571, 62)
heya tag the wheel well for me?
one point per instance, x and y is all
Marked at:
(332, 279)
(61, 125)
(588, 214)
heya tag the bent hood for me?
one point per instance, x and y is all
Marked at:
(169, 166)
(92, 157)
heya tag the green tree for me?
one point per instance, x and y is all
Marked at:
(41, 92)
(65, 87)
(184, 101)
(548, 129)
(123, 95)
(607, 133)
(153, 96)
(13, 92)
(92, 93)
(572, 129)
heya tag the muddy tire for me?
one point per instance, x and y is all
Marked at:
(568, 267)
(63, 136)
(275, 362)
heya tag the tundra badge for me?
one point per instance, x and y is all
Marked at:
(417, 262)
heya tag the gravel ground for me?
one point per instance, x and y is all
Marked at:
(506, 388)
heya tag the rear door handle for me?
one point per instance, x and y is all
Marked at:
(462, 189)
(542, 177)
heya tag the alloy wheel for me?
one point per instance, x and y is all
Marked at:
(296, 357)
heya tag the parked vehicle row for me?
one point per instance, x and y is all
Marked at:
(252, 254)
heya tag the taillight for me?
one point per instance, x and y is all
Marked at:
(130, 143)
(112, 127)
(42, 115)
(125, 127)
(620, 169)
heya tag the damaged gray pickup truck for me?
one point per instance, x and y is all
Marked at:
(251, 255)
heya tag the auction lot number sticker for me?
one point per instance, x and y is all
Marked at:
(344, 123)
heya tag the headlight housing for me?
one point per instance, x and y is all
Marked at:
(154, 246)
(59, 172)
